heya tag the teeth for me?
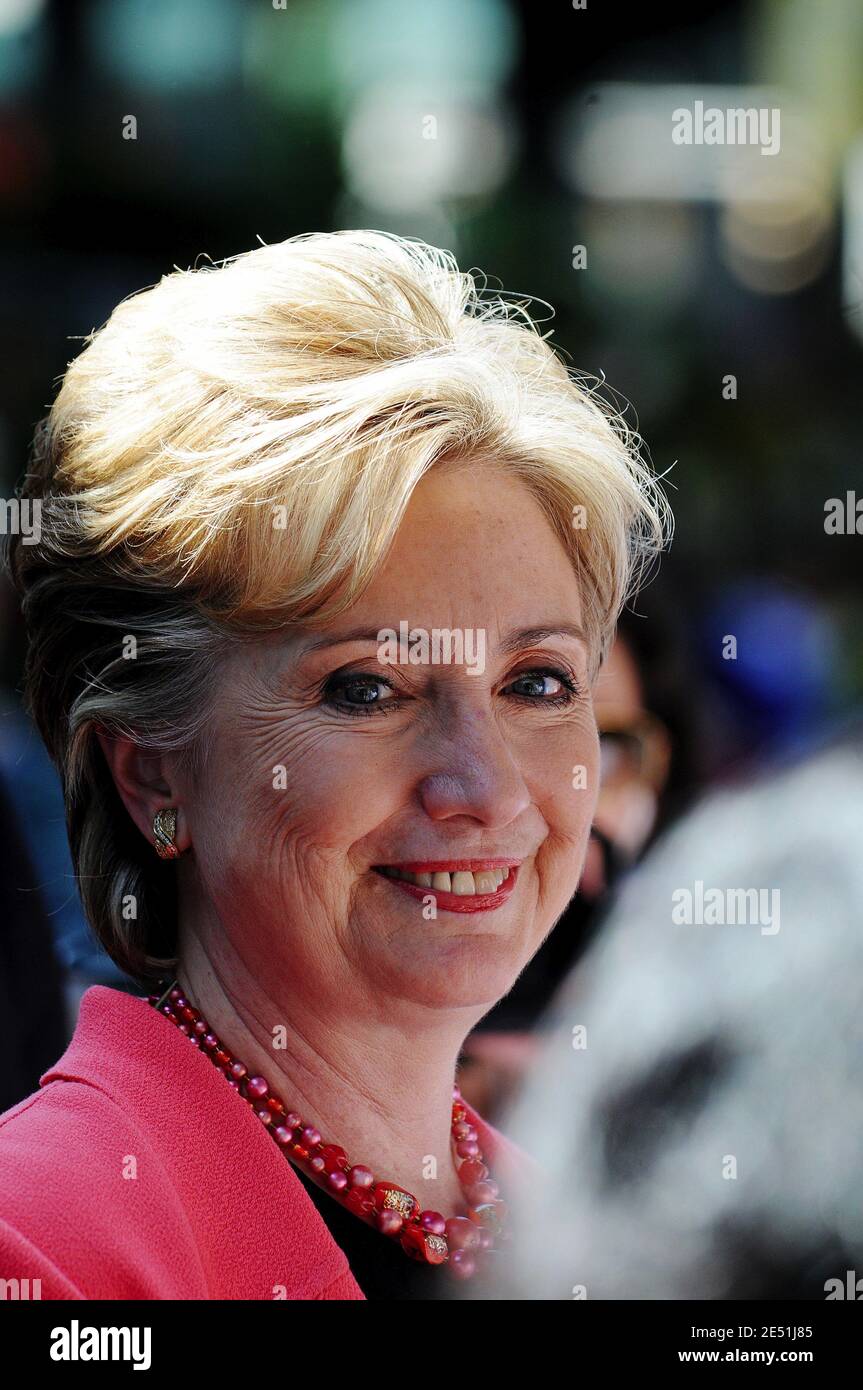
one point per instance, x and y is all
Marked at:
(463, 883)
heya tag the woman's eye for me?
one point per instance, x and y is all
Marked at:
(549, 687)
(358, 693)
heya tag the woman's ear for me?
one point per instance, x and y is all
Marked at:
(143, 784)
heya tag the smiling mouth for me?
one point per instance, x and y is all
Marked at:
(458, 885)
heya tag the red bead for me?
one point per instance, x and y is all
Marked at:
(188, 1015)
(472, 1171)
(334, 1157)
(390, 1197)
(360, 1201)
(221, 1058)
(274, 1104)
(422, 1245)
(461, 1233)
(489, 1214)
(299, 1152)
(360, 1176)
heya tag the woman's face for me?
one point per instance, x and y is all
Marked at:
(331, 762)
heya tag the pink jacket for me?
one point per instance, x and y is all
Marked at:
(114, 1185)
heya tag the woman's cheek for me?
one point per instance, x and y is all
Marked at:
(563, 774)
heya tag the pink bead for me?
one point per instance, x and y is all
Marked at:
(257, 1087)
(264, 1116)
(390, 1222)
(337, 1181)
(238, 1070)
(316, 1164)
(462, 1130)
(433, 1222)
(462, 1264)
(482, 1192)
(181, 1002)
(210, 1041)
(293, 1119)
(310, 1137)
(202, 1026)
(486, 1239)
(467, 1148)
(361, 1176)
(234, 1085)
(461, 1233)
(283, 1134)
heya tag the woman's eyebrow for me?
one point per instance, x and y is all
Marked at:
(513, 641)
(359, 634)
(530, 636)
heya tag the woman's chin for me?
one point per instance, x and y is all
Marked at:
(458, 972)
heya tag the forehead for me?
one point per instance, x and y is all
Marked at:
(476, 547)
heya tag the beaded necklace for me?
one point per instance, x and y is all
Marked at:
(463, 1243)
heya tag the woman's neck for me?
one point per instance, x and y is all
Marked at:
(379, 1087)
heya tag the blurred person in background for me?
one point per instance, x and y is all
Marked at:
(700, 1091)
(33, 1019)
(35, 800)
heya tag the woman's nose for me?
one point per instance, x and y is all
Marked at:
(476, 776)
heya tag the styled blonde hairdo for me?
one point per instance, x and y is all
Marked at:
(233, 452)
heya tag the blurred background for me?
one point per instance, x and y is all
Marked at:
(716, 288)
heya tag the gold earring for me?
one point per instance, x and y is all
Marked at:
(164, 830)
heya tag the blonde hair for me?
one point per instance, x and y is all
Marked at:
(233, 452)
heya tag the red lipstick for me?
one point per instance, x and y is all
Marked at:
(457, 902)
